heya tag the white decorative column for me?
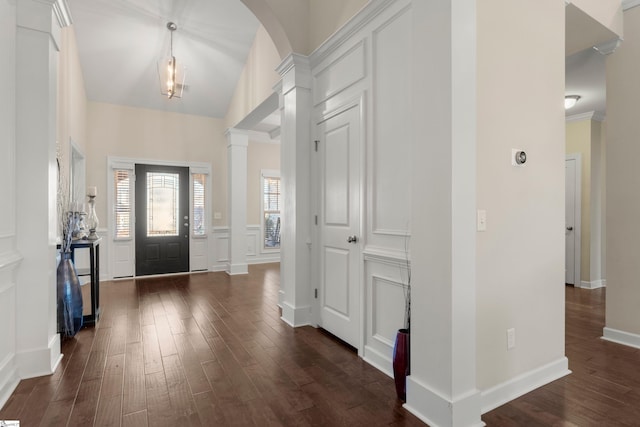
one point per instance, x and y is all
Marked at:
(441, 389)
(295, 176)
(37, 45)
(237, 142)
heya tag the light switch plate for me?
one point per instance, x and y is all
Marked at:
(482, 220)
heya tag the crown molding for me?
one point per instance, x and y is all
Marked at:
(62, 12)
(372, 9)
(628, 4)
(591, 115)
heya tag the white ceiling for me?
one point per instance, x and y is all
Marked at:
(585, 76)
(120, 42)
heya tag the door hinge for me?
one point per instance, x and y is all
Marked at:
(315, 293)
(316, 219)
(317, 142)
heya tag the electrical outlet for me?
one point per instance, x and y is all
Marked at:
(511, 338)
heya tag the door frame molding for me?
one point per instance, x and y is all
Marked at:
(194, 167)
(577, 220)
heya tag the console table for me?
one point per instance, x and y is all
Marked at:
(93, 272)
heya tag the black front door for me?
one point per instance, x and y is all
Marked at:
(162, 219)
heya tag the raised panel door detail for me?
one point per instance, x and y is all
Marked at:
(336, 281)
(336, 166)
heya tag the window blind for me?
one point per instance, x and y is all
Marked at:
(122, 186)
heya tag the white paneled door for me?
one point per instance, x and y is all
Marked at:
(340, 248)
(572, 221)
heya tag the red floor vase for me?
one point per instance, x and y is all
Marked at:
(401, 363)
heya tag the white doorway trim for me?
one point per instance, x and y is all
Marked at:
(577, 221)
(122, 250)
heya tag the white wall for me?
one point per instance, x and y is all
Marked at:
(520, 258)
(8, 254)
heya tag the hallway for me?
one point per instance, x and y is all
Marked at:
(203, 350)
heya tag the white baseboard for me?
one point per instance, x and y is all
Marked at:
(39, 362)
(621, 337)
(9, 379)
(296, 316)
(524, 383)
(439, 411)
(376, 359)
(595, 284)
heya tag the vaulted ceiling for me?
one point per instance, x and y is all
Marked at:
(120, 42)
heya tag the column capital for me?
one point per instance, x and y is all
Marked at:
(237, 137)
(295, 71)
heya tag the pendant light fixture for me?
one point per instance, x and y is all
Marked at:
(170, 72)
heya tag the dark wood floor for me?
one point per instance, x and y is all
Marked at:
(604, 388)
(205, 350)
(210, 350)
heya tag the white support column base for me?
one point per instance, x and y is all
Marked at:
(236, 269)
(438, 411)
(39, 362)
(296, 316)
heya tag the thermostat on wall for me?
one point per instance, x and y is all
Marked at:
(518, 157)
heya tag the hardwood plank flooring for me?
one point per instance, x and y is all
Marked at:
(604, 388)
(204, 350)
(211, 350)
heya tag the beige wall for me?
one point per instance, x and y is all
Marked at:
(148, 134)
(259, 156)
(257, 79)
(520, 258)
(72, 101)
(623, 180)
(607, 12)
(578, 140)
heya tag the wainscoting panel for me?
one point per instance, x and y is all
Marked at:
(9, 261)
(385, 285)
(389, 162)
(256, 254)
(339, 74)
(123, 254)
(199, 254)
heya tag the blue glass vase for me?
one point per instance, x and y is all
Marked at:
(69, 297)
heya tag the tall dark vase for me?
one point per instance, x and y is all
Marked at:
(69, 297)
(401, 363)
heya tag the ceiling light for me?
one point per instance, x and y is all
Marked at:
(570, 101)
(170, 72)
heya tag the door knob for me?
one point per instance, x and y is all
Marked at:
(186, 224)
(569, 228)
(352, 239)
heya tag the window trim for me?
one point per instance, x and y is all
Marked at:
(267, 173)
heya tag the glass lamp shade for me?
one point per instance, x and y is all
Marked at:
(171, 74)
(92, 219)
